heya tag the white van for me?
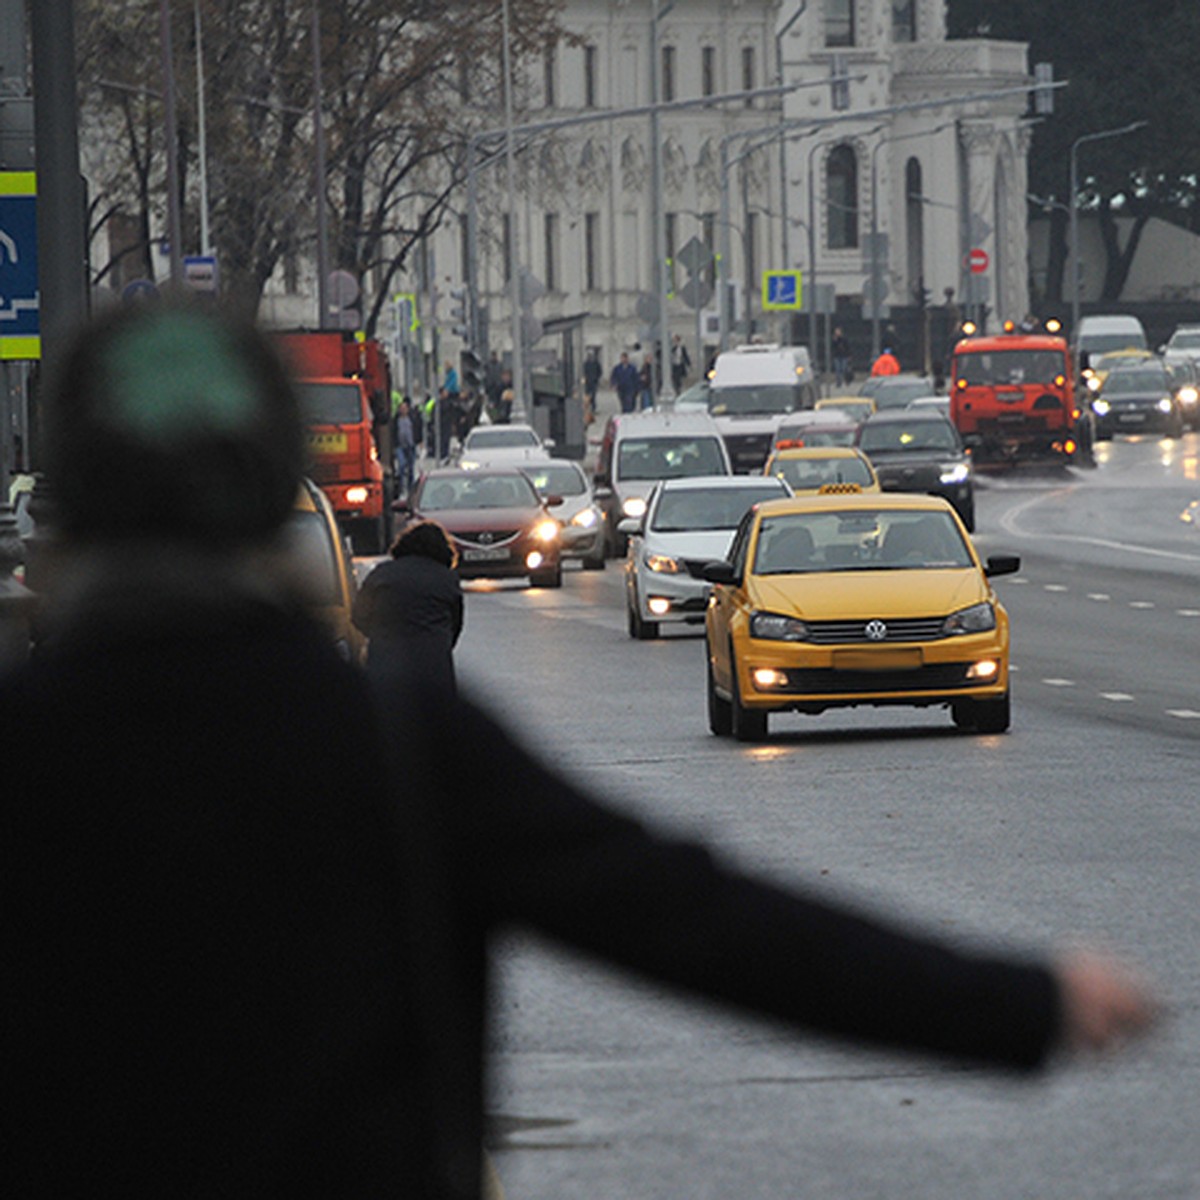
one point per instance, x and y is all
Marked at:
(641, 448)
(751, 389)
(1100, 334)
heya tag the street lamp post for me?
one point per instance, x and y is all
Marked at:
(785, 245)
(1074, 201)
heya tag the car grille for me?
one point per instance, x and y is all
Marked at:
(485, 537)
(910, 629)
(907, 479)
(828, 681)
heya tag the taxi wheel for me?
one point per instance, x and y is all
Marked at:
(720, 713)
(747, 725)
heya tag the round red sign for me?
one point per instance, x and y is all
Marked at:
(978, 260)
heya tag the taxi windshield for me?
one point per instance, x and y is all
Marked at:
(859, 540)
(813, 473)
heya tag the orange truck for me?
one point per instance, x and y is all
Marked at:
(1012, 398)
(345, 387)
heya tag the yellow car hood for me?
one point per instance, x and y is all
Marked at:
(850, 595)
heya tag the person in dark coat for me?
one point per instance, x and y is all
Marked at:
(625, 382)
(411, 608)
(248, 900)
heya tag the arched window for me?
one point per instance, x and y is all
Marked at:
(841, 197)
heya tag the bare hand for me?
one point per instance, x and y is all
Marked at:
(1104, 1001)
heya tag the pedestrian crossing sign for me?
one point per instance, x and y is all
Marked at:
(781, 291)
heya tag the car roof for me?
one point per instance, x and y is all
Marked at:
(926, 413)
(865, 501)
(708, 482)
(818, 452)
(477, 472)
(650, 422)
(520, 428)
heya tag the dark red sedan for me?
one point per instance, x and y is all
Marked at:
(500, 524)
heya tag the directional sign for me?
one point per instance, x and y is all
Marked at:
(978, 260)
(781, 291)
(20, 330)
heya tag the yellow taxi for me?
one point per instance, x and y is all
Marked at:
(835, 600)
(858, 408)
(318, 564)
(1100, 365)
(808, 469)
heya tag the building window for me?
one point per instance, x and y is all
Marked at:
(839, 22)
(666, 85)
(549, 70)
(904, 20)
(590, 92)
(551, 251)
(708, 70)
(841, 198)
(591, 252)
(748, 79)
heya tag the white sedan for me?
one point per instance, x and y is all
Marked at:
(503, 446)
(688, 523)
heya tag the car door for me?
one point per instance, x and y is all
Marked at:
(725, 602)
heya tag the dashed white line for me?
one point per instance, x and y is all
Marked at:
(1117, 697)
(1099, 596)
(1055, 587)
(1187, 612)
(1141, 604)
(1184, 714)
(1063, 683)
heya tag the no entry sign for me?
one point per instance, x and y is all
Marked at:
(978, 261)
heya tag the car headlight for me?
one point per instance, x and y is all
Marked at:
(1166, 404)
(954, 472)
(1093, 383)
(634, 507)
(775, 627)
(663, 563)
(1188, 395)
(1100, 407)
(546, 531)
(979, 618)
(585, 518)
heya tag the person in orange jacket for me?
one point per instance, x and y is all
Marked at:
(886, 364)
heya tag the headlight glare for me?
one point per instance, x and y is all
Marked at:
(546, 531)
(954, 472)
(1100, 407)
(1165, 404)
(663, 564)
(635, 507)
(585, 518)
(979, 618)
(776, 627)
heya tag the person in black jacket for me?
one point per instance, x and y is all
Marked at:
(411, 608)
(247, 900)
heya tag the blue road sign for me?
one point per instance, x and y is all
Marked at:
(20, 329)
(781, 291)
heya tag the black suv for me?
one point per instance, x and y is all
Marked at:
(916, 451)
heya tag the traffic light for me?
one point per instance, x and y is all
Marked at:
(470, 371)
(460, 325)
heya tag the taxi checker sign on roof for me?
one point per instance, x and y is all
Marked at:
(20, 330)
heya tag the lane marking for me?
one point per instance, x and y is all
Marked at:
(1141, 604)
(1187, 612)
(1117, 697)
(1055, 587)
(1184, 714)
(1099, 596)
(1009, 522)
(1063, 683)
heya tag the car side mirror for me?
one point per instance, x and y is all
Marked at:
(631, 526)
(549, 443)
(602, 489)
(1002, 564)
(720, 572)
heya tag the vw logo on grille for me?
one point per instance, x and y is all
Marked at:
(876, 631)
(486, 538)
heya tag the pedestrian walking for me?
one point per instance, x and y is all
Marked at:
(626, 383)
(592, 374)
(450, 384)
(493, 384)
(840, 350)
(247, 909)
(411, 608)
(681, 363)
(646, 382)
(404, 438)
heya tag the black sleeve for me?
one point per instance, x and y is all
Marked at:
(530, 848)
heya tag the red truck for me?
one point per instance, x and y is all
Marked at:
(345, 386)
(1012, 398)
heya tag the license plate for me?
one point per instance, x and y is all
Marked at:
(1131, 418)
(328, 443)
(889, 659)
(485, 554)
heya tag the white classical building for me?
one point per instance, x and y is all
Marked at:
(918, 177)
